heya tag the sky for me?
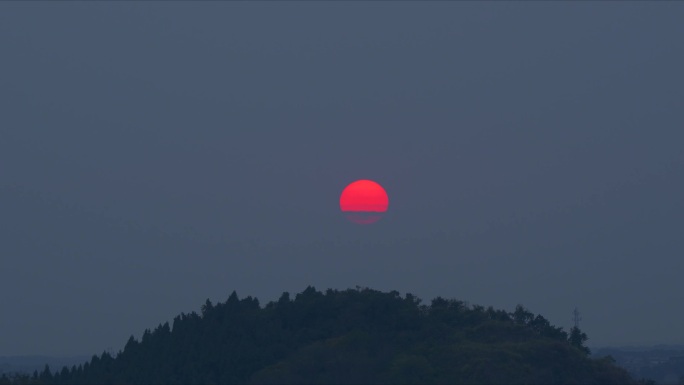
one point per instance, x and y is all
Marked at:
(154, 155)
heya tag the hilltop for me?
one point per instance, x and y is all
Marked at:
(351, 336)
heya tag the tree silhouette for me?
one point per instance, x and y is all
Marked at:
(577, 339)
(351, 336)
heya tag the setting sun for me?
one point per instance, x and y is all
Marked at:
(364, 201)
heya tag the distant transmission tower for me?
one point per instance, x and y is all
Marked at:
(576, 317)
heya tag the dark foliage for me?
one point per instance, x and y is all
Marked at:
(662, 364)
(351, 336)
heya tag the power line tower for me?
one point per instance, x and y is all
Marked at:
(576, 317)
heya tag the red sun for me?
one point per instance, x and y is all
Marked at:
(364, 201)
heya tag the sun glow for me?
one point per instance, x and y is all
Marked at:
(364, 201)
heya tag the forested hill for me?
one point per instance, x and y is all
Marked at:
(351, 336)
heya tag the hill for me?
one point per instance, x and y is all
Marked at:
(351, 336)
(662, 363)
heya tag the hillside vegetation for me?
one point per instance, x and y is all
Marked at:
(351, 336)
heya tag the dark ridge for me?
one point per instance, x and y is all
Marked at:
(352, 336)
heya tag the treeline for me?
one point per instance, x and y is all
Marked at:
(351, 336)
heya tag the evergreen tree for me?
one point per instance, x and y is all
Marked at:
(577, 338)
(46, 375)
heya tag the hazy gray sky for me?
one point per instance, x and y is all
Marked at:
(153, 155)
